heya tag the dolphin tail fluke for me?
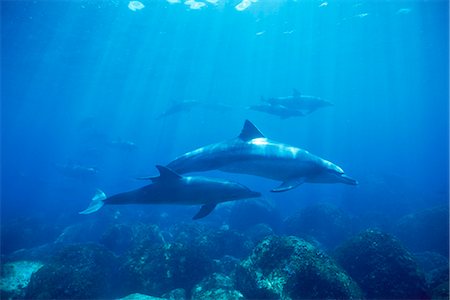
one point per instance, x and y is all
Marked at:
(96, 203)
(204, 211)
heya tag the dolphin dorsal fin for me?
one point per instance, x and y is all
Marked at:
(167, 174)
(249, 132)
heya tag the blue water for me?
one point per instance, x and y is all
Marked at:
(79, 74)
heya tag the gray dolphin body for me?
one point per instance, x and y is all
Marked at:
(278, 110)
(172, 188)
(297, 101)
(183, 106)
(252, 153)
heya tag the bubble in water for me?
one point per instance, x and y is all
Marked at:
(135, 5)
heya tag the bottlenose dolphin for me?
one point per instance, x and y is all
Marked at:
(123, 145)
(75, 170)
(172, 188)
(252, 153)
(278, 110)
(183, 106)
(297, 101)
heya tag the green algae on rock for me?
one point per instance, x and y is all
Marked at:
(382, 267)
(291, 268)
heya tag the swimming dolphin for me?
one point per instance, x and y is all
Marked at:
(252, 153)
(172, 188)
(183, 106)
(278, 110)
(75, 170)
(122, 145)
(297, 101)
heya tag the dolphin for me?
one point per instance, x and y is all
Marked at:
(75, 170)
(297, 101)
(172, 188)
(182, 106)
(278, 110)
(123, 145)
(252, 153)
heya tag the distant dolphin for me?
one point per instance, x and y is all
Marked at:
(76, 170)
(252, 153)
(297, 101)
(183, 106)
(123, 145)
(278, 110)
(171, 188)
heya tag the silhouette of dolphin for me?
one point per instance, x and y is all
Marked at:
(278, 110)
(171, 188)
(297, 101)
(252, 153)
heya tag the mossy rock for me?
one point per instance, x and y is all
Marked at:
(83, 271)
(291, 268)
(382, 267)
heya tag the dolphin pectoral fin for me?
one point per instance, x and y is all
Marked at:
(205, 210)
(96, 203)
(289, 185)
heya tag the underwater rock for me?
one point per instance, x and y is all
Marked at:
(137, 296)
(259, 232)
(429, 261)
(43, 253)
(438, 280)
(176, 294)
(15, 277)
(216, 286)
(83, 232)
(119, 238)
(414, 230)
(226, 265)
(441, 291)
(291, 268)
(324, 223)
(381, 266)
(157, 269)
(22, 233)
(215, 243)
(83, 271)
(244, 214)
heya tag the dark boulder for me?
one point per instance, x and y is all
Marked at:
(382, 267)
(214, 243)
(83, 271)
(158, 269)
(120, 238)
(291, 268)
(427, 230)
(216, 286)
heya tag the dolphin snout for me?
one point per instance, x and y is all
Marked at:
(348, 180)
